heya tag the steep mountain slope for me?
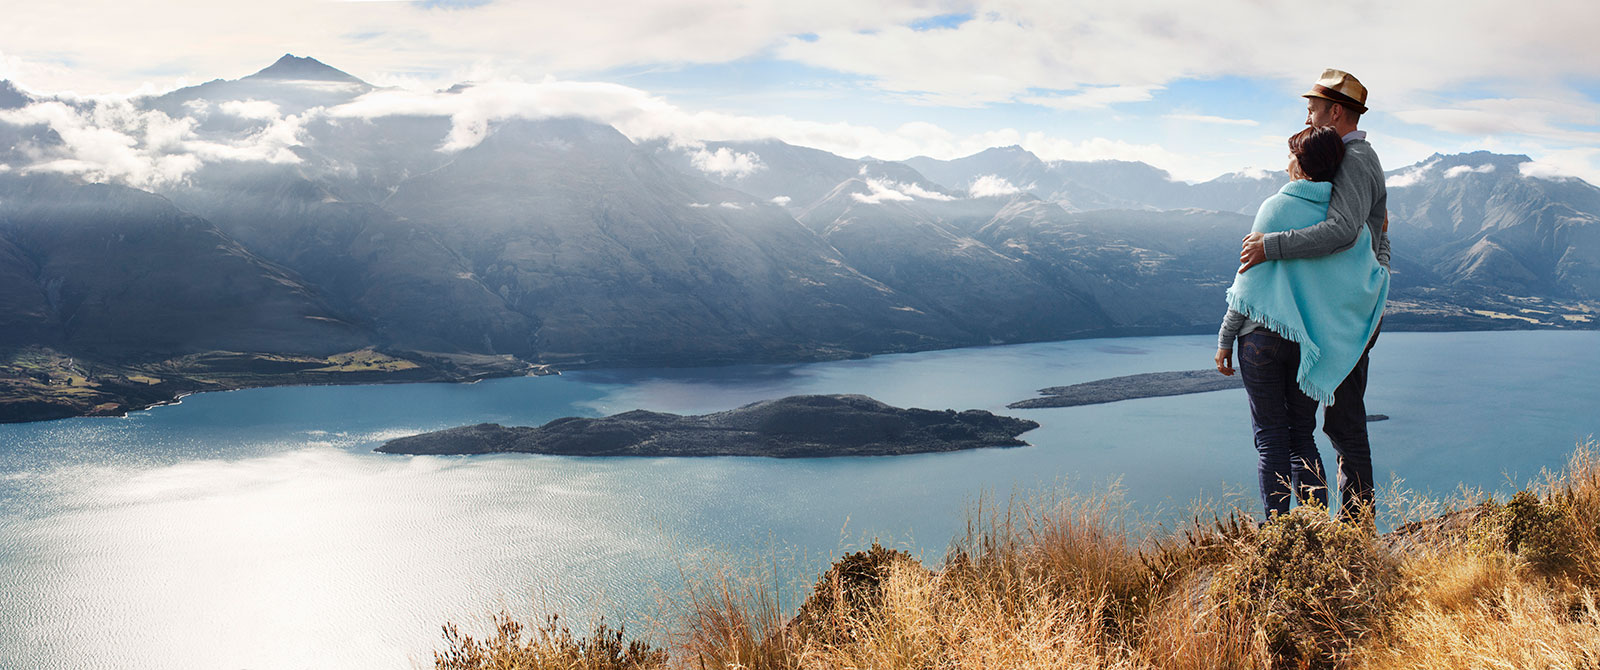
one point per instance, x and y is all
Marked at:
(770, 170)
(1145, 271)
(126, 273)
(1476, 221)
(622, 259)
(395, 275)
(919, 247)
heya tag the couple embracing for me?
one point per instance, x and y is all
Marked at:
(1306, 304)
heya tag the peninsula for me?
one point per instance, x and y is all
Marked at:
(1132, 387)
(40, 384)
(1147, 385)
(807, 426)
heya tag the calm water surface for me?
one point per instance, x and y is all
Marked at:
(255, 529)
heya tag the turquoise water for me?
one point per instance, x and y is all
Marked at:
(255, 529)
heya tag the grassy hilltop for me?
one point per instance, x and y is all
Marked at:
(1475, 584)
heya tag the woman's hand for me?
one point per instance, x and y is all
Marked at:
(1225, 362)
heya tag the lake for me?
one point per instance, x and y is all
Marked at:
(256, 529)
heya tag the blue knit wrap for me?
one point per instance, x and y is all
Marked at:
(1329, 304)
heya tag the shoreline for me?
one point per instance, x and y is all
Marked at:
(45, 385)
(201, 381)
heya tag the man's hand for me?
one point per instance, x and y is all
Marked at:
(1253, 251)
(1225, 362)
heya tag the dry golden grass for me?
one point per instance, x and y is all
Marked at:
(552, 646)
(1064, 584)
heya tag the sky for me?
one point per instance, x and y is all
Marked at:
(1197, 89)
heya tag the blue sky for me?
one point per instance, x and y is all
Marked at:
(1196, 91)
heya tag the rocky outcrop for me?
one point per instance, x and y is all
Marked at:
(811, 426)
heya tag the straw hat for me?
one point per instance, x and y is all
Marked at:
(1341, 87)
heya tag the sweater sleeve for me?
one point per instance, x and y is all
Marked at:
(1353, 197)
(1232, 322)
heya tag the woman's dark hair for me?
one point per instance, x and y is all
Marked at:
(1319, 149)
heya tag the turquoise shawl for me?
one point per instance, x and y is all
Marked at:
(1329, 304)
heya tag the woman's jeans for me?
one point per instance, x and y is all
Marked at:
(1285, 419)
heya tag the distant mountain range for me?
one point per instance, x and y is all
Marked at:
(560, 241)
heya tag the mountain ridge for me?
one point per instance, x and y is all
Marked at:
(561, 241)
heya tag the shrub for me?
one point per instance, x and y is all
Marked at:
(1541, 532)
(552, 647)
(1313, 587)
(850, 591)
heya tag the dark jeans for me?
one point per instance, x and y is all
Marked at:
(1345, 423)
(1284, 419)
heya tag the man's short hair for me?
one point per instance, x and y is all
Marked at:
(1352, 112)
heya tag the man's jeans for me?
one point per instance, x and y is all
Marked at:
(1285, 419)
(1345, 423)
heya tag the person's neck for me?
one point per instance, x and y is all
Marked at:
(1345, 129)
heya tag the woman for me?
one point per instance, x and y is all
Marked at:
(1301, 326)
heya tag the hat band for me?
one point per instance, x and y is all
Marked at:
(1339, 97)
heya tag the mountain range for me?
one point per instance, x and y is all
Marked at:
(560, 241)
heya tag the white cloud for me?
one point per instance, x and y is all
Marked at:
(732, 205)
(1204, 118)
(699, 205)
(917, 191)
(114, 141)
(1012, 49)
(128, 145)
(260, 110)
(1415, 56)
(1564, 164)
(991, 185)
(1093, 98)
(1468, 169)
(113, 47)
(781, 200)
(726, 163)
(1410, 177)
(1542, 170)
(888, 190)
(879, 191)
(1544, 118)
(642, 116)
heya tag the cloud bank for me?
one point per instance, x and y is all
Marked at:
(115, 141)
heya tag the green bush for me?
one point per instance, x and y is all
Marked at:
(1312, 587)
(1539, 531)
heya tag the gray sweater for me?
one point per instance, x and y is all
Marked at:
(1359, 196)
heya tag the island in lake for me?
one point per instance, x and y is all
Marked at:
(1131, 387)
(807, 426)
(1147, 385)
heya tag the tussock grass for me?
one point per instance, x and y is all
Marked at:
(1077, 583)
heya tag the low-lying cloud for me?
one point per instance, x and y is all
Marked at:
(990, 185)
(1410, 177)
(726, 163)
(114, 141)
(886, 190)
(1468, 169)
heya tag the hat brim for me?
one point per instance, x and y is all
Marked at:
(1343, 100)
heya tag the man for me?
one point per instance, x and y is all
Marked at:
(1338, 99)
